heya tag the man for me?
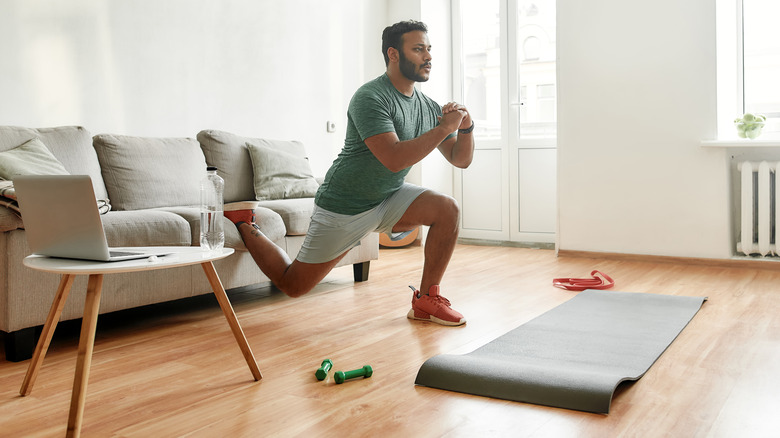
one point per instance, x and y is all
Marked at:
(391, 126)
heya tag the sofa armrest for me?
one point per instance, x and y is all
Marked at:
(9, 220)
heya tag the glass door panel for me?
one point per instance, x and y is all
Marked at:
(532, 120)
(481, 67)
(482, 189)
(505, 74)
(534, 76)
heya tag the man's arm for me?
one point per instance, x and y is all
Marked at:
(397, 155)
(459, 151)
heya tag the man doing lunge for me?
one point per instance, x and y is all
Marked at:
(391, 126)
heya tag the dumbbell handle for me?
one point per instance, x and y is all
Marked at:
(322, 371)
(341, 376)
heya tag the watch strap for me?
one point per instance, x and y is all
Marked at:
(467, 130)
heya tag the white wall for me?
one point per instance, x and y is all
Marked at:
(636, 91)
(266, 68)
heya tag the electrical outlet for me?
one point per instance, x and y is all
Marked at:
(331, 127)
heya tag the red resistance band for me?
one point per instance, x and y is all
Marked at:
(580, 284)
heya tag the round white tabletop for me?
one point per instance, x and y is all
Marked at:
(177, 256)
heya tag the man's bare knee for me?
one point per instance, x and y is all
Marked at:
(447, 210)
(294, 285)
(300, 278)
(452, 206)
(295, 292)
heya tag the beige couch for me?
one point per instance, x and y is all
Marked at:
(152, 185)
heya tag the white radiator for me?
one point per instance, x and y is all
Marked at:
(758, 207)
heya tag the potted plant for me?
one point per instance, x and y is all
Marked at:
(750, 125)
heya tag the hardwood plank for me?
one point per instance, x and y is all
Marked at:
(174, 369)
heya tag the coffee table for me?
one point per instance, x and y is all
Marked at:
(180, 256)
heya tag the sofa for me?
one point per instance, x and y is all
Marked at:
(149, 193)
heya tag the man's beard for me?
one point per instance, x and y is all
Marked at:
(409, 69)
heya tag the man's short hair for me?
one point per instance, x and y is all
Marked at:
(392, 35)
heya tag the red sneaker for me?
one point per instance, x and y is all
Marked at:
(238, 216)
(433, 307)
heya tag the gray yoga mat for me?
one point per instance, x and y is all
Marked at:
(573, 356)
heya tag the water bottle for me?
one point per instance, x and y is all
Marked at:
(212, 235)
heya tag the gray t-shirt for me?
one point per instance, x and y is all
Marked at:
(357, 181)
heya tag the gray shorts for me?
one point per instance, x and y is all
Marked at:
(331, 234)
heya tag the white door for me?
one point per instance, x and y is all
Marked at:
(504, 68)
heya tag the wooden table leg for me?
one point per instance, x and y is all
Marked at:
(48, 331)
(84, 360)
(230, 315)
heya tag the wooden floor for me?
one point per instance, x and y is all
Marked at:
(175, 370)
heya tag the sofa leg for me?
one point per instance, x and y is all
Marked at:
(19, 345)
(361, 271)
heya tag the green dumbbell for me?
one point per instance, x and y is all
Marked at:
(322, 371)
(341, 376)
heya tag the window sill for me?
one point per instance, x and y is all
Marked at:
(742, 143)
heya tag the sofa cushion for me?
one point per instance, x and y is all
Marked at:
(71, 145)
(31, 158)
(149, 172)
(280, 174)
(230, 153)
(270, 224)
(296, 213)
(145, 228)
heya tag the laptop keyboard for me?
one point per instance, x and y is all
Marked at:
(123, 253)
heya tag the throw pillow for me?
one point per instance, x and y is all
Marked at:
(150, 172)
(31, 158)
(280, 174)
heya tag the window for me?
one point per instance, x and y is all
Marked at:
(482, 65)
(530, 67)
(761, 57)
(545, 98)
(535, 73)
(748, 41)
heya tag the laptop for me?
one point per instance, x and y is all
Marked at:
(61, 219)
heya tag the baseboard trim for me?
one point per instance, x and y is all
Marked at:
(736, 262)
(504, 243)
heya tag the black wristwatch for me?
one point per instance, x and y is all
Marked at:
(467, 130)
